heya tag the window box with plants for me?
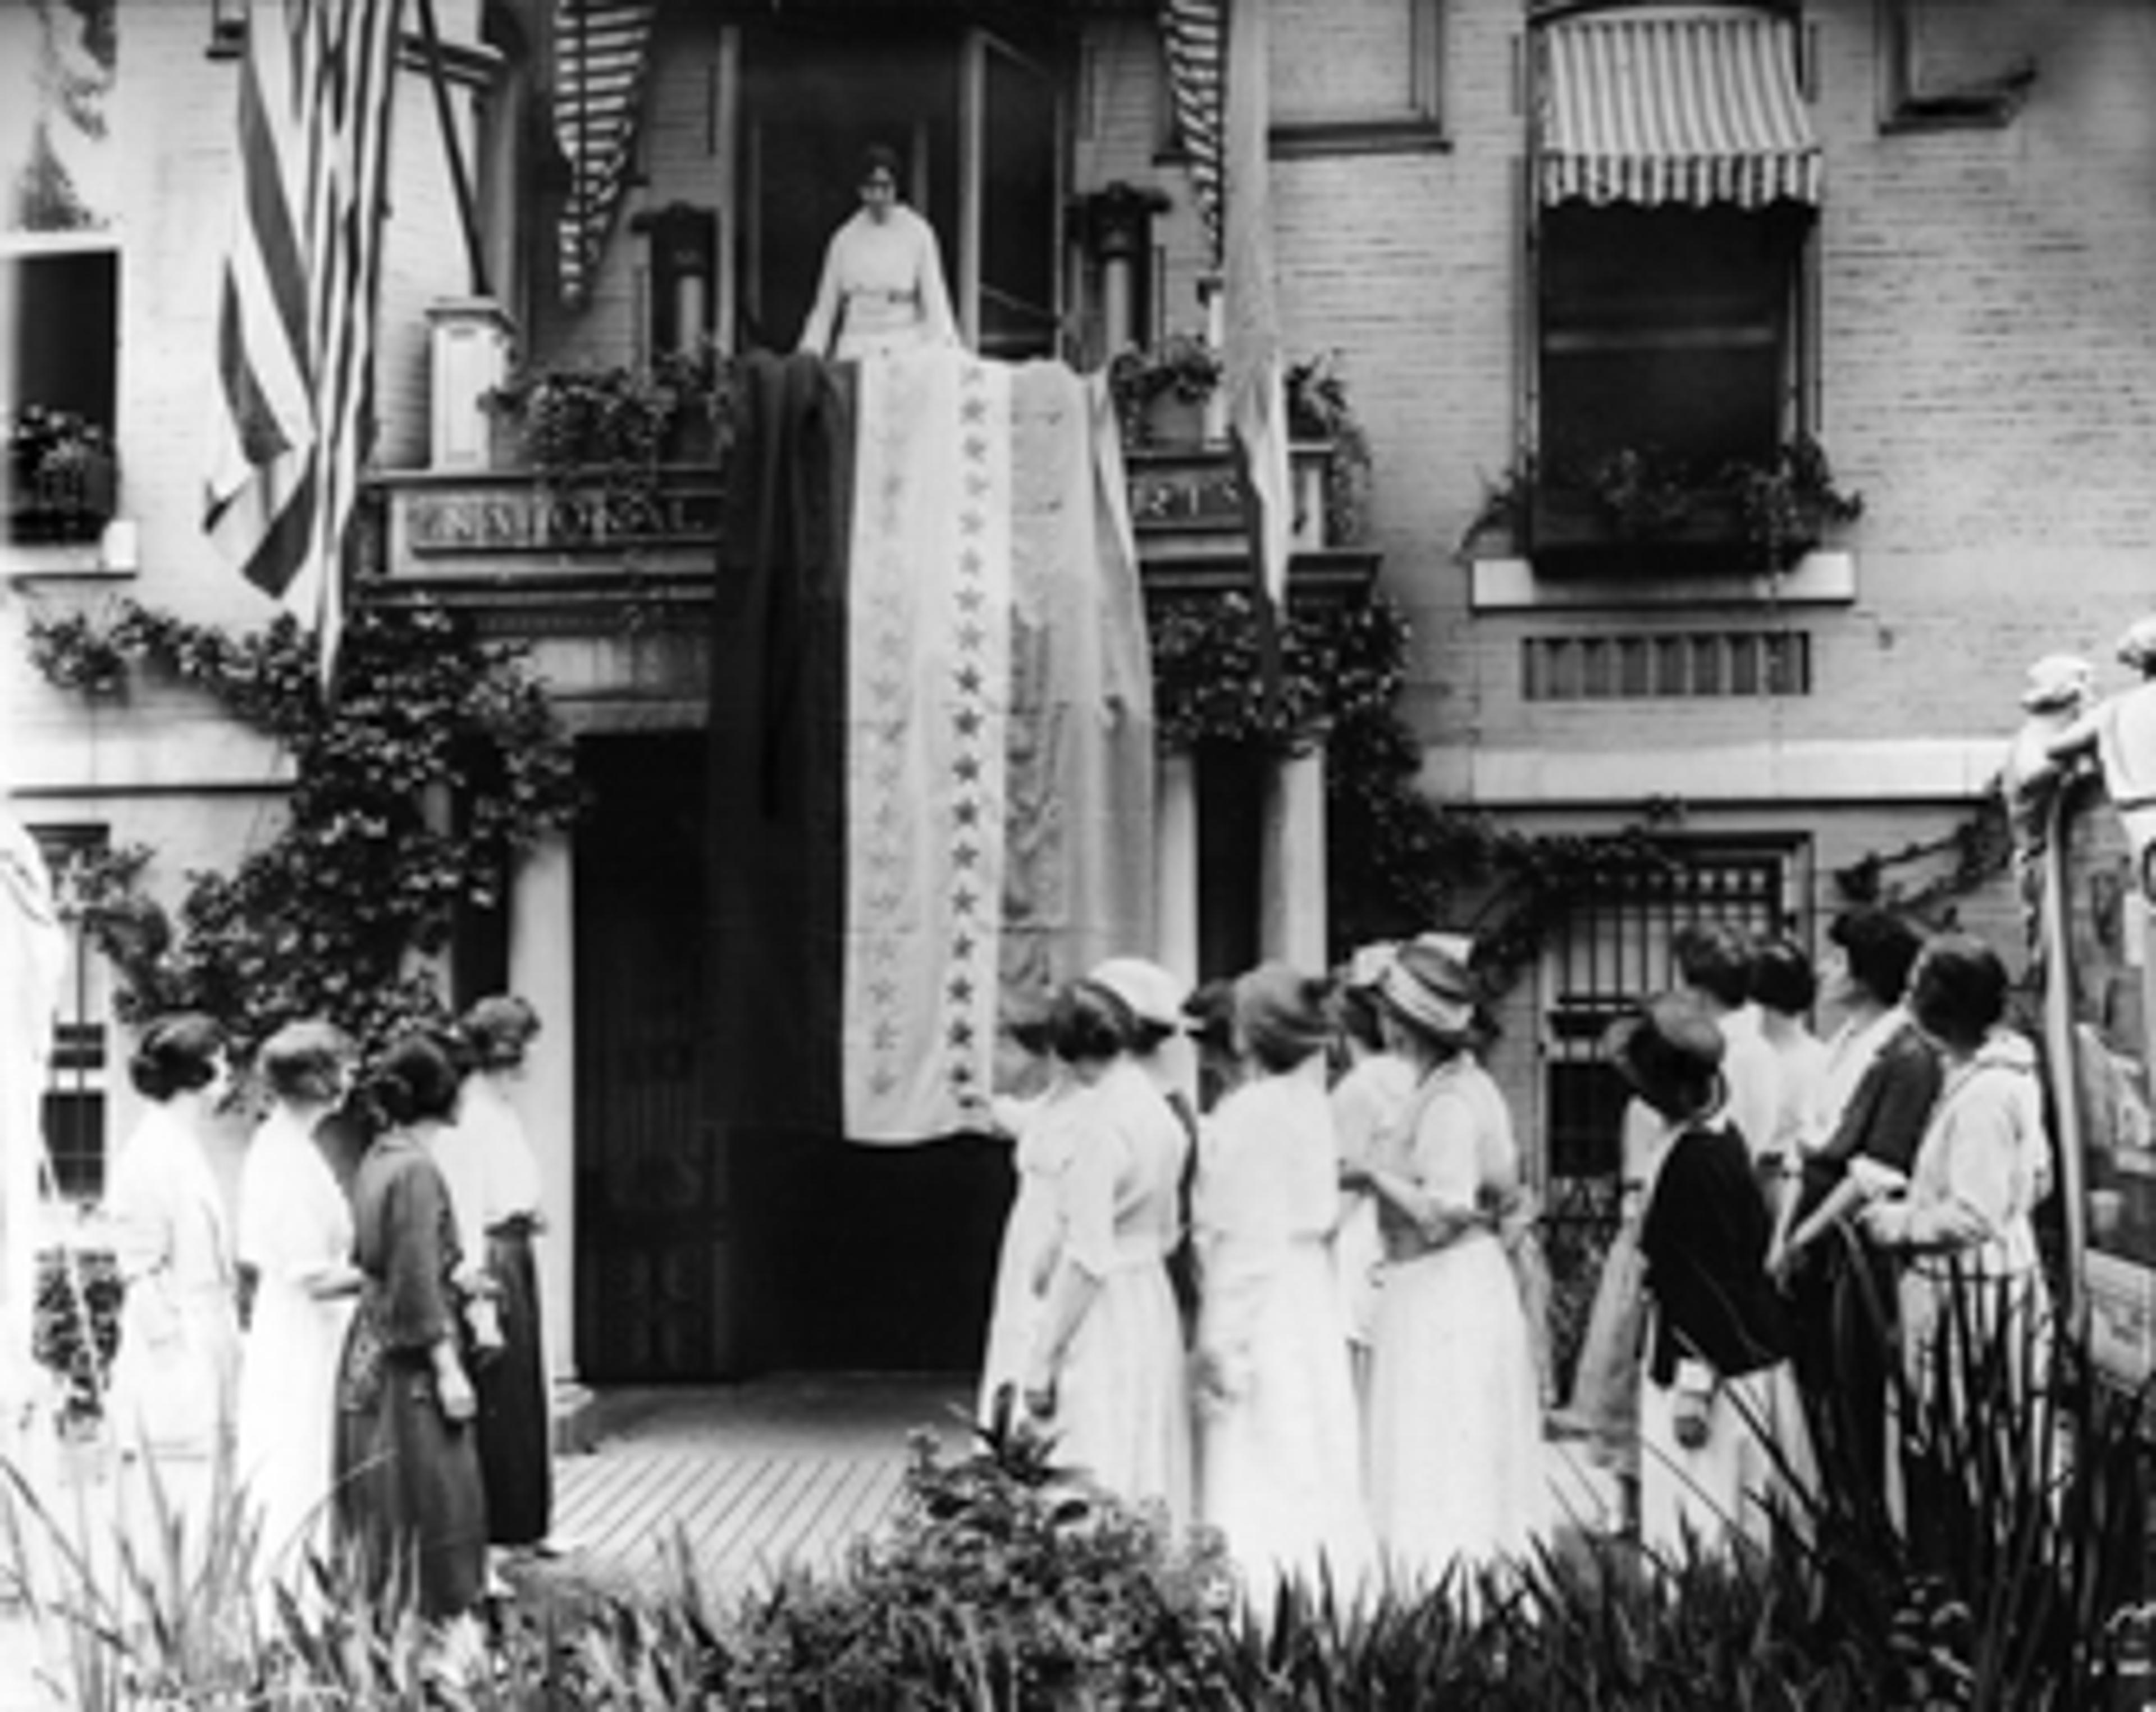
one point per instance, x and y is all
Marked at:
(1162, 391)
(1638, 511)
(63, 480)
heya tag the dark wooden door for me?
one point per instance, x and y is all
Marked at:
(652, 1285)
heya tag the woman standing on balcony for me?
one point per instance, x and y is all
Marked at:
(882, 287)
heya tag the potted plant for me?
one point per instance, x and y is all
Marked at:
(1639, 509)
(1790, 502)
(618, 425)
(1161, 390)
(1318, 409)
(63, 480)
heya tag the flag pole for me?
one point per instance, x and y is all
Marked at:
(453, 146)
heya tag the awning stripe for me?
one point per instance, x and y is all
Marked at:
(602, 51)
(1691, 107)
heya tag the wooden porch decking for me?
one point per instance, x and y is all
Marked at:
(748, 1480)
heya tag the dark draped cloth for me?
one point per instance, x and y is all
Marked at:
(778, 752)
(515, 1456)
(1705, 1236)
(410, 1502)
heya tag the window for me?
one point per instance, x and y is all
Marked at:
(1951, 62)
(1676, 181)
(1613, 949)
(74, 1098)
(1356, 75)
(60, 296)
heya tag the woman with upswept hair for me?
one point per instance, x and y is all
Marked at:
(409, 1498)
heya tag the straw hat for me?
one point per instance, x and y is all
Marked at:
(1431, 992)
(1154, 996)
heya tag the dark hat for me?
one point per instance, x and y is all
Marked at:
(1281, 1013)
(1431, 991)
(1669, 1050)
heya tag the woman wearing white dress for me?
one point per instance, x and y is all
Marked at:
(173, 1375)
(1960, 1221)
(1367, 1098)
(1037, 1124)
(1106, 1376)
(882, 288)
(1455, 1448)
(1278, 1429)
(295, 1236)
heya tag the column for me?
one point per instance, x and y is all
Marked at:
(1292, 882)
(1175, 863)
(542, 970)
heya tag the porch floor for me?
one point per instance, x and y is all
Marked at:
(747, 1479)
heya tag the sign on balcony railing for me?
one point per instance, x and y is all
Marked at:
(510, 518)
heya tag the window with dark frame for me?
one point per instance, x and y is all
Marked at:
(63, 357)
(1671, 240)
(74, 1104)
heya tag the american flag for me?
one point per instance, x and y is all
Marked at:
(296, 309)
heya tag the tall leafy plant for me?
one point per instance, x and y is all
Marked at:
(371, 864)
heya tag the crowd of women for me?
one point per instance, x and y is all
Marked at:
(1348, 1382)
(362, 1340)
(1270, 1264)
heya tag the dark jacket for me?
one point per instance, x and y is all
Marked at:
(1705, 1237)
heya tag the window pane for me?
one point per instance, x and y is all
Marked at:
(1665, 328)
(66, 330)
(1341, 58)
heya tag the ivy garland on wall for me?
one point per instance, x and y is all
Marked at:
(324, 918)
(1397, 861)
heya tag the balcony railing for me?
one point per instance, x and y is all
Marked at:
(507, 537)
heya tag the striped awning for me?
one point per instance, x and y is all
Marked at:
(1691, 107)
(602, 50)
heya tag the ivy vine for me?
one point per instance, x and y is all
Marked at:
(323, 919)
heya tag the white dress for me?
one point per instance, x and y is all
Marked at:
(1026, 1260)
(1279, 1435)
(173, 1375)
(1455, 1443)
(881, 290)
(295, 1223)
(1367, 1098)
(1122, 1408)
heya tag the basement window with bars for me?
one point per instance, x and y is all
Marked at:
(1613, 948)
(1687, 665)
(75, 1102)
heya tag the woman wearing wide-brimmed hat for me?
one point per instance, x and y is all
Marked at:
(1281, 1461)
(1719, 1420)
(1455, 1429)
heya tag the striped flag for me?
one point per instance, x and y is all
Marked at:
(296, 306)
(1251, 366)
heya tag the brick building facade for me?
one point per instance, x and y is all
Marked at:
(1976, 355)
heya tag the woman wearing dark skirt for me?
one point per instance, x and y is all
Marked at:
(515, 1439)
(409, 1499)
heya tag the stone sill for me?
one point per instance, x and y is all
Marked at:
(1511, 585)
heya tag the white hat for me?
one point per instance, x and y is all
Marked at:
(2058, 681)
(2137, 646)
(1153, 995)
